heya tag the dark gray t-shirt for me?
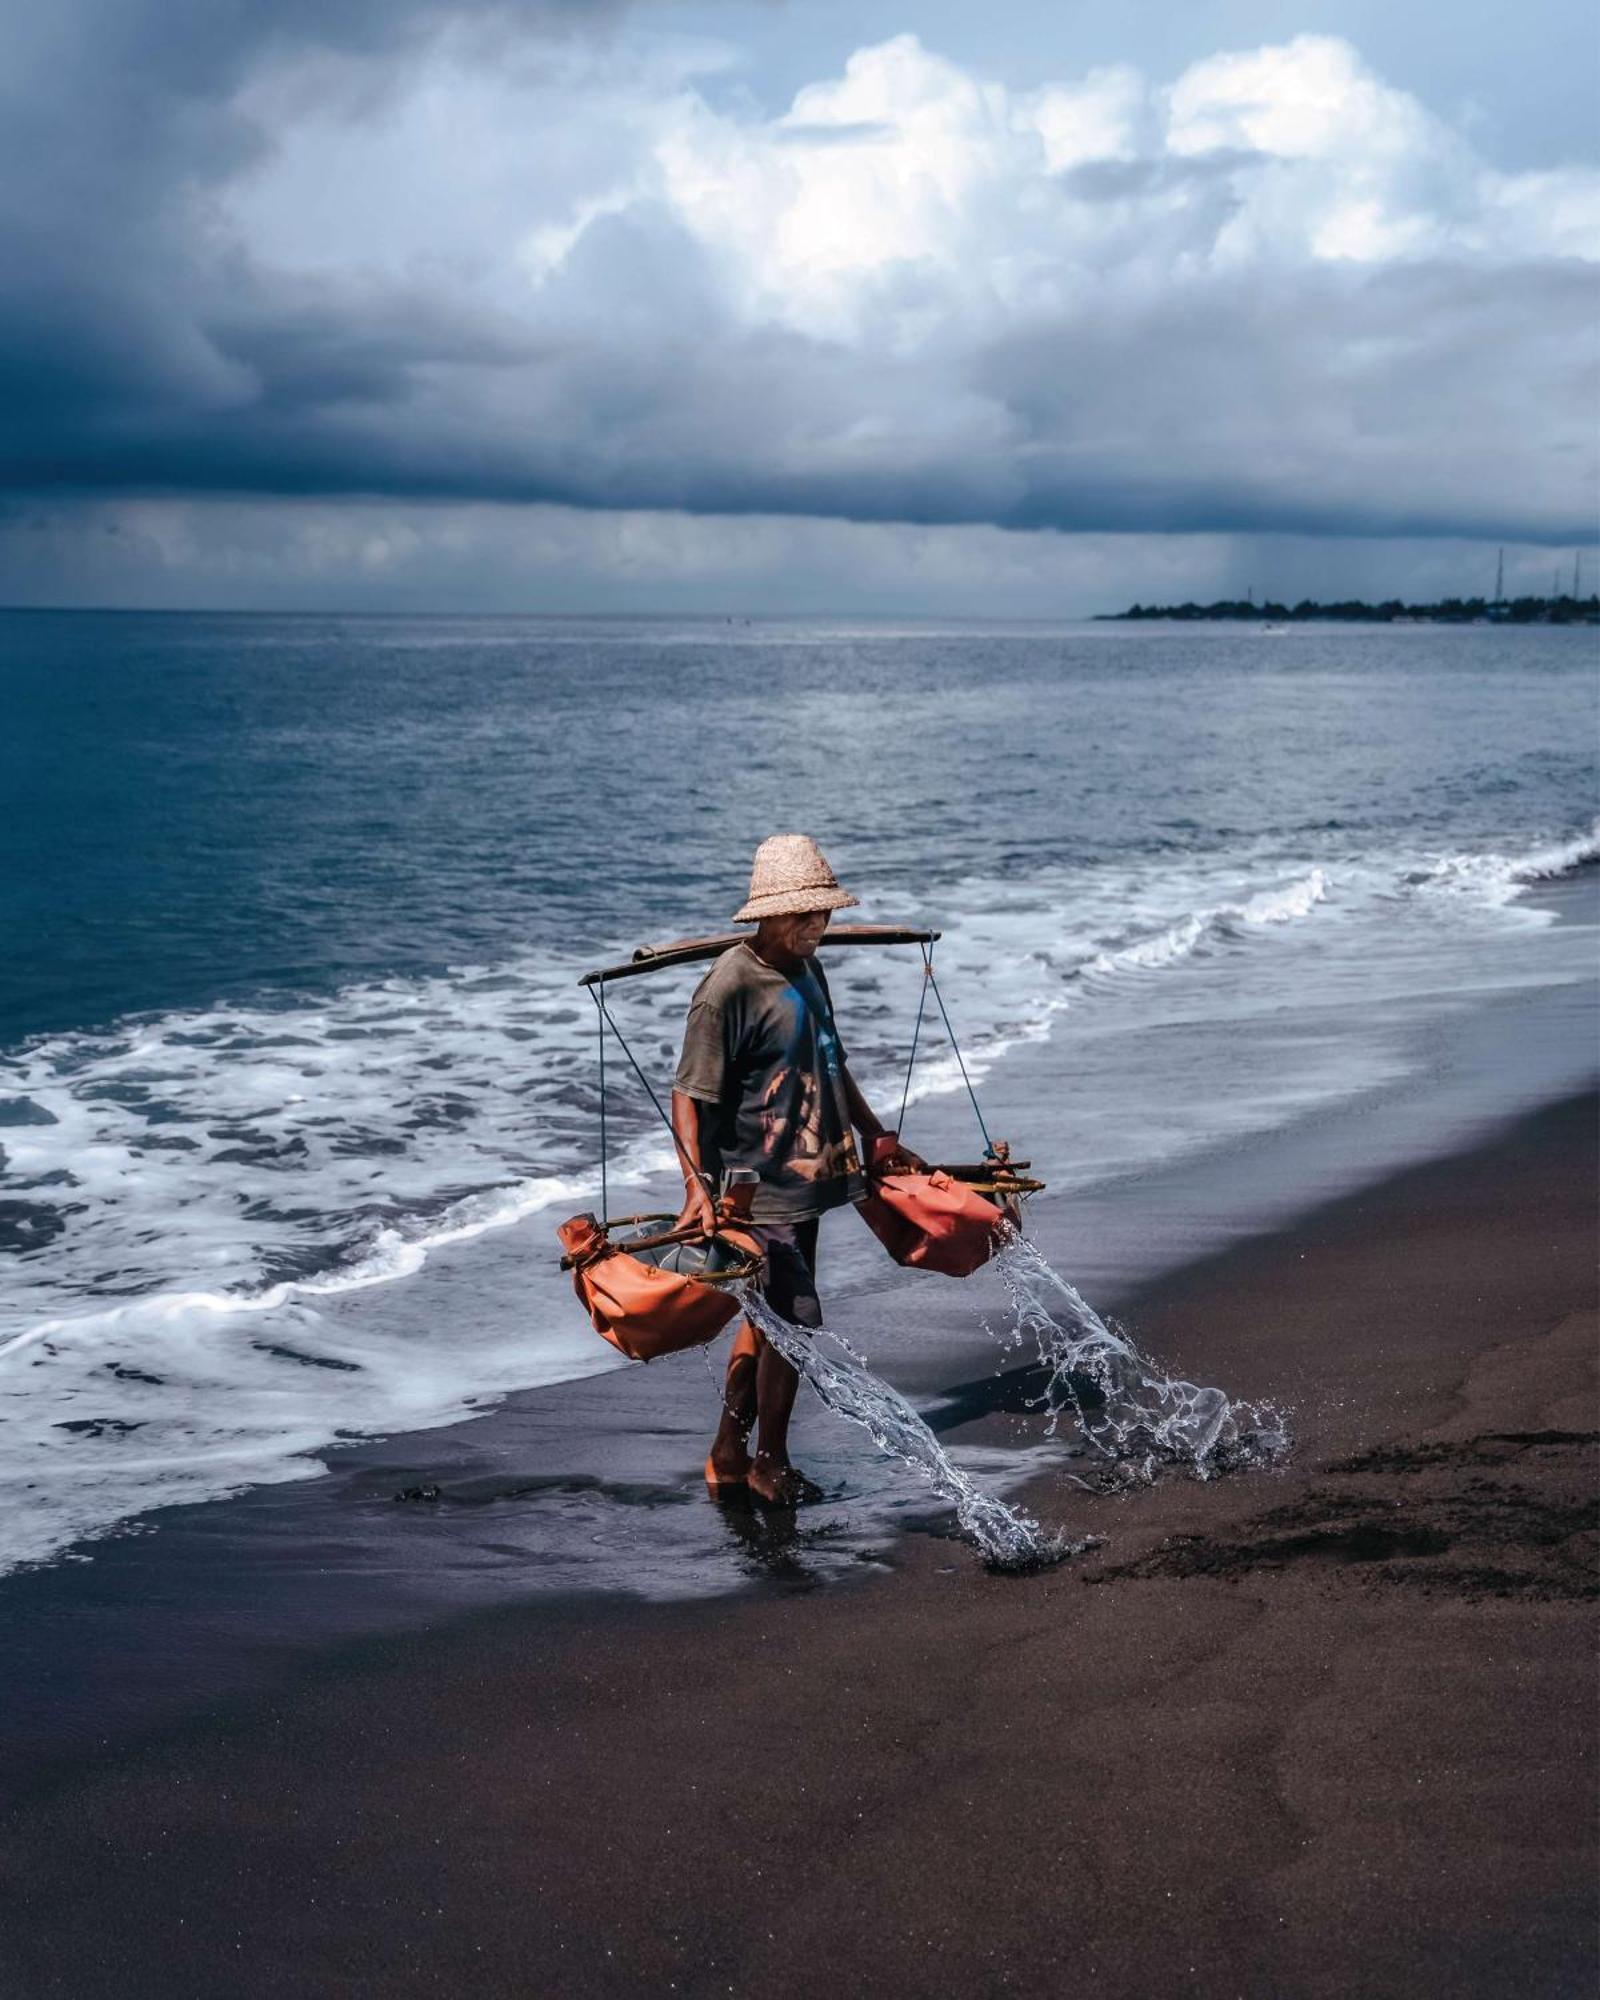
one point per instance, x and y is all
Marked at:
(761, 1047)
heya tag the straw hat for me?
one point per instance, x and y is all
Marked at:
(790, 876)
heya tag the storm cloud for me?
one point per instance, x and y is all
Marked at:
(532, 253)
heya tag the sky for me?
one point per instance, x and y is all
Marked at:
(578, 305)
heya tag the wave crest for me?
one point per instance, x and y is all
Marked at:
(1284, 905)
(1499, 878)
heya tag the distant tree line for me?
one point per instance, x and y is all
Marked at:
(1448, 611)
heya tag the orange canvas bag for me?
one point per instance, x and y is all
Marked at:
(646, 1309)
(929, 1221)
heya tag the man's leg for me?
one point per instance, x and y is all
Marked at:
(791, 1291)
(730, 1453)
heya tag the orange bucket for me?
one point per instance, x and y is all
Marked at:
(930, 1222)
(645, 1307)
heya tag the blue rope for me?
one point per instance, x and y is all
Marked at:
(608, 1018)
(988, 1143)
(600, 1026)
(916, 1032)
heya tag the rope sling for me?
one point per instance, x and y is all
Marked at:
(671, 1283)
(994, 1157)
(930, 982)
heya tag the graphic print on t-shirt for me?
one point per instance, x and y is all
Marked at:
(761, 1047)
(793, 1125)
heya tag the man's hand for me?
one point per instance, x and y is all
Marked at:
(902, 1160)
(698, 1207)
(699, 1210)
(871, 1127)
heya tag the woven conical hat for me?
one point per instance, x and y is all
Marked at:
(789, 877)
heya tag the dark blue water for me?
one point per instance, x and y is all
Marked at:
(201, 806)
(295, 908)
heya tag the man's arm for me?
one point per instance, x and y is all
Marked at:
(698, 1206)
(697, 1089)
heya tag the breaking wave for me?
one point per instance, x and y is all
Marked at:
(1499, 878)
(1273, 906)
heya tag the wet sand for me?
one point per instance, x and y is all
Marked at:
(1326, 1731)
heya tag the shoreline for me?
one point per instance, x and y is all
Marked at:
(1324, 1730)
(1300, 1094)
(589, 1486)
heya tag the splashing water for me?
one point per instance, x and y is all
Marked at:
(1008, 1539)
(1124, 1405)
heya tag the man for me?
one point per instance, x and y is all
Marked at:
(763, 1084)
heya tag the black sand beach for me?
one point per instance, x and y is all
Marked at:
(1326, 1731)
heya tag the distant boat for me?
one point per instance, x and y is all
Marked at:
(1272, 631)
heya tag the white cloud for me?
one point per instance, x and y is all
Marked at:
(1306, 99)
(903, 175)
(1272, 292)
(1105, 117)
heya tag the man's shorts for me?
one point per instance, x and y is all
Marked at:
(791, 1286)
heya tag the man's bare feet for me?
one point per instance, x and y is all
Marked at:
(780, 1485)
(726, 1470)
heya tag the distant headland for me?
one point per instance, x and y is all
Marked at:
(1448, 611)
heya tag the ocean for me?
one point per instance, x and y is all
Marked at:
(295, 910)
